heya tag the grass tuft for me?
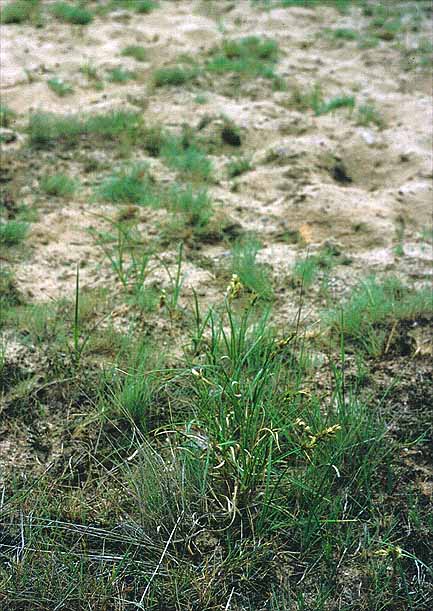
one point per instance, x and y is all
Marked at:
(238, 166)
(252, 275)
(175, 75)
(251, 56)
(12, 232)
(45, 129)
(60, 87)
(70, 13)
(120, 75)
(194, 208)
(132, 186)
(7, 116)
(368, 114)
(373, 303)
(18, 12)
(58, 185)
(136, 51)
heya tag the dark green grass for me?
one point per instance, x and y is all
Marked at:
(253, 276)
(251, 56)
(71, 13)
(362, 317)
(12, 232)
(60, 87)
(314, 99)
(174, 76)
(46, 129)
(132, 186)
(194, 208)
(7, 116)
(120, 75)
(136, 51)
(143, 7)
(19, 12)
(185, 157)
(238, 166)
(59, 185)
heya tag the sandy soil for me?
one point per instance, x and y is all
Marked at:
(294, 153)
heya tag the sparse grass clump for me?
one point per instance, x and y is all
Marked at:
(195, 208)
(6, 116)
(238, 166)
(315, 100)
(47, 128)
(368, 114)
(18, 12)
(60, 87)
(185, 157)
(120, 75)
(58, 185)
(373, 304)
(136, 51)
(253, 276)
(145, 6)
(139, 6)
(92, 75)
(174, 75)
(71, 13)
(306, 269)
(251, 56)
(12, 232)
(132, 186)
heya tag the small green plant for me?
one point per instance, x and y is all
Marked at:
(92, 75)
(238, 166)
(195, 209)
(58, 185)
(251, 56)
(170, 299)
(12, 232)
(185, 157)
(130, 185)
(145, 6)
(7, 116)
(129, 260)
(314, 99)
(252, 275)
(18, 12)
(373, 303)
(136, 51)
(47, 128)
(70, 13)
(368, 42)
(138, 6)
(344, 34)
(120, 75)
(60, 87)
(201, 99)
(306, 269)
(368, 114)
(174, 75)
(335, 103)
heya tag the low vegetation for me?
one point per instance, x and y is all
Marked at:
(60, 87)
(46, 129)
(12, 232)
(136, 51)
(71, 13)
(19, 11)
(205, 409)
(58, 185)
